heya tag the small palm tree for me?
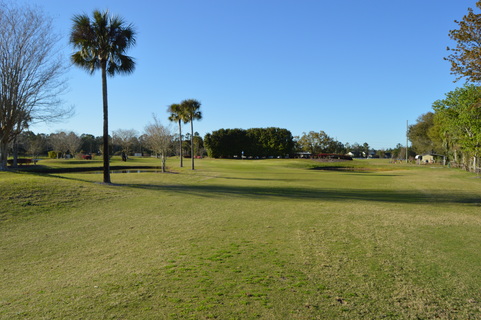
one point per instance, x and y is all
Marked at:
(101, 44)
(177, 115)
(191, 108)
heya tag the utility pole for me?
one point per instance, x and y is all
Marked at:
(407, 139)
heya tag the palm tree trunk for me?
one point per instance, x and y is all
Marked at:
(192, 141)
(106, 125)
(180, 144)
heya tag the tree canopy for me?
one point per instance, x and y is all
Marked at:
(317, 142)
(419, 134)
(255, 142)
(453, 129)
(458, 118)
(466, 56)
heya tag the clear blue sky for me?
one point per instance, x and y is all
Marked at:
(357, 70)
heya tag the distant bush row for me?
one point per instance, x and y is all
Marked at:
(255, 142)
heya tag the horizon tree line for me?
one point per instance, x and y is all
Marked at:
(68, 143)
(36, 145)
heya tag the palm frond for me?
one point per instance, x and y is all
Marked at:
(191, 107)
(102, 39)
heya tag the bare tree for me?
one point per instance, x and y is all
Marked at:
(35, 144)
(159, 140)
(63, 142)
(125, 139)
(73, 143)
(31, 72)
(58, 141)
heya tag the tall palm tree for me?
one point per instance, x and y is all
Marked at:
(191, 108)
(101, 44)
(177, 115)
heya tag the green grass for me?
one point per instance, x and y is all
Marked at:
(267, 239)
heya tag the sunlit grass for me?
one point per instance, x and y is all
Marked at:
(267, 239)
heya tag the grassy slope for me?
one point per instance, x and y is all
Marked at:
(271, 239)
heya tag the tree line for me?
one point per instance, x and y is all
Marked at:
(278, 142)
(453, 128)
(157, 140)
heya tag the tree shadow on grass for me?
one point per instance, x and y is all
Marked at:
(338, 194)
(295, 193)
(356, 170)
(39, 169)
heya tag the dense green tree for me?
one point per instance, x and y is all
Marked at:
(270, 141)
(191, 111)
(227, 143)
(89, 143)
(316, 142)
(419, 134)
(337, 147)
(356, 149)
(466, 56)
(136, 145)
(198, 145)
(101, 43)
(255, 142)
(365, 149)
(459, 119)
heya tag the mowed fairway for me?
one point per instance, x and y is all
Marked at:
(266, 239)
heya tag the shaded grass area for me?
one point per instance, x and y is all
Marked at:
(49, 170)
(232, 240)
(323, 194)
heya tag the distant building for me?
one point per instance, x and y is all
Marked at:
(429, 158)
(305, 155)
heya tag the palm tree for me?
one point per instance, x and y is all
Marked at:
(177, 115)
(191, 108)
(101, 44)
